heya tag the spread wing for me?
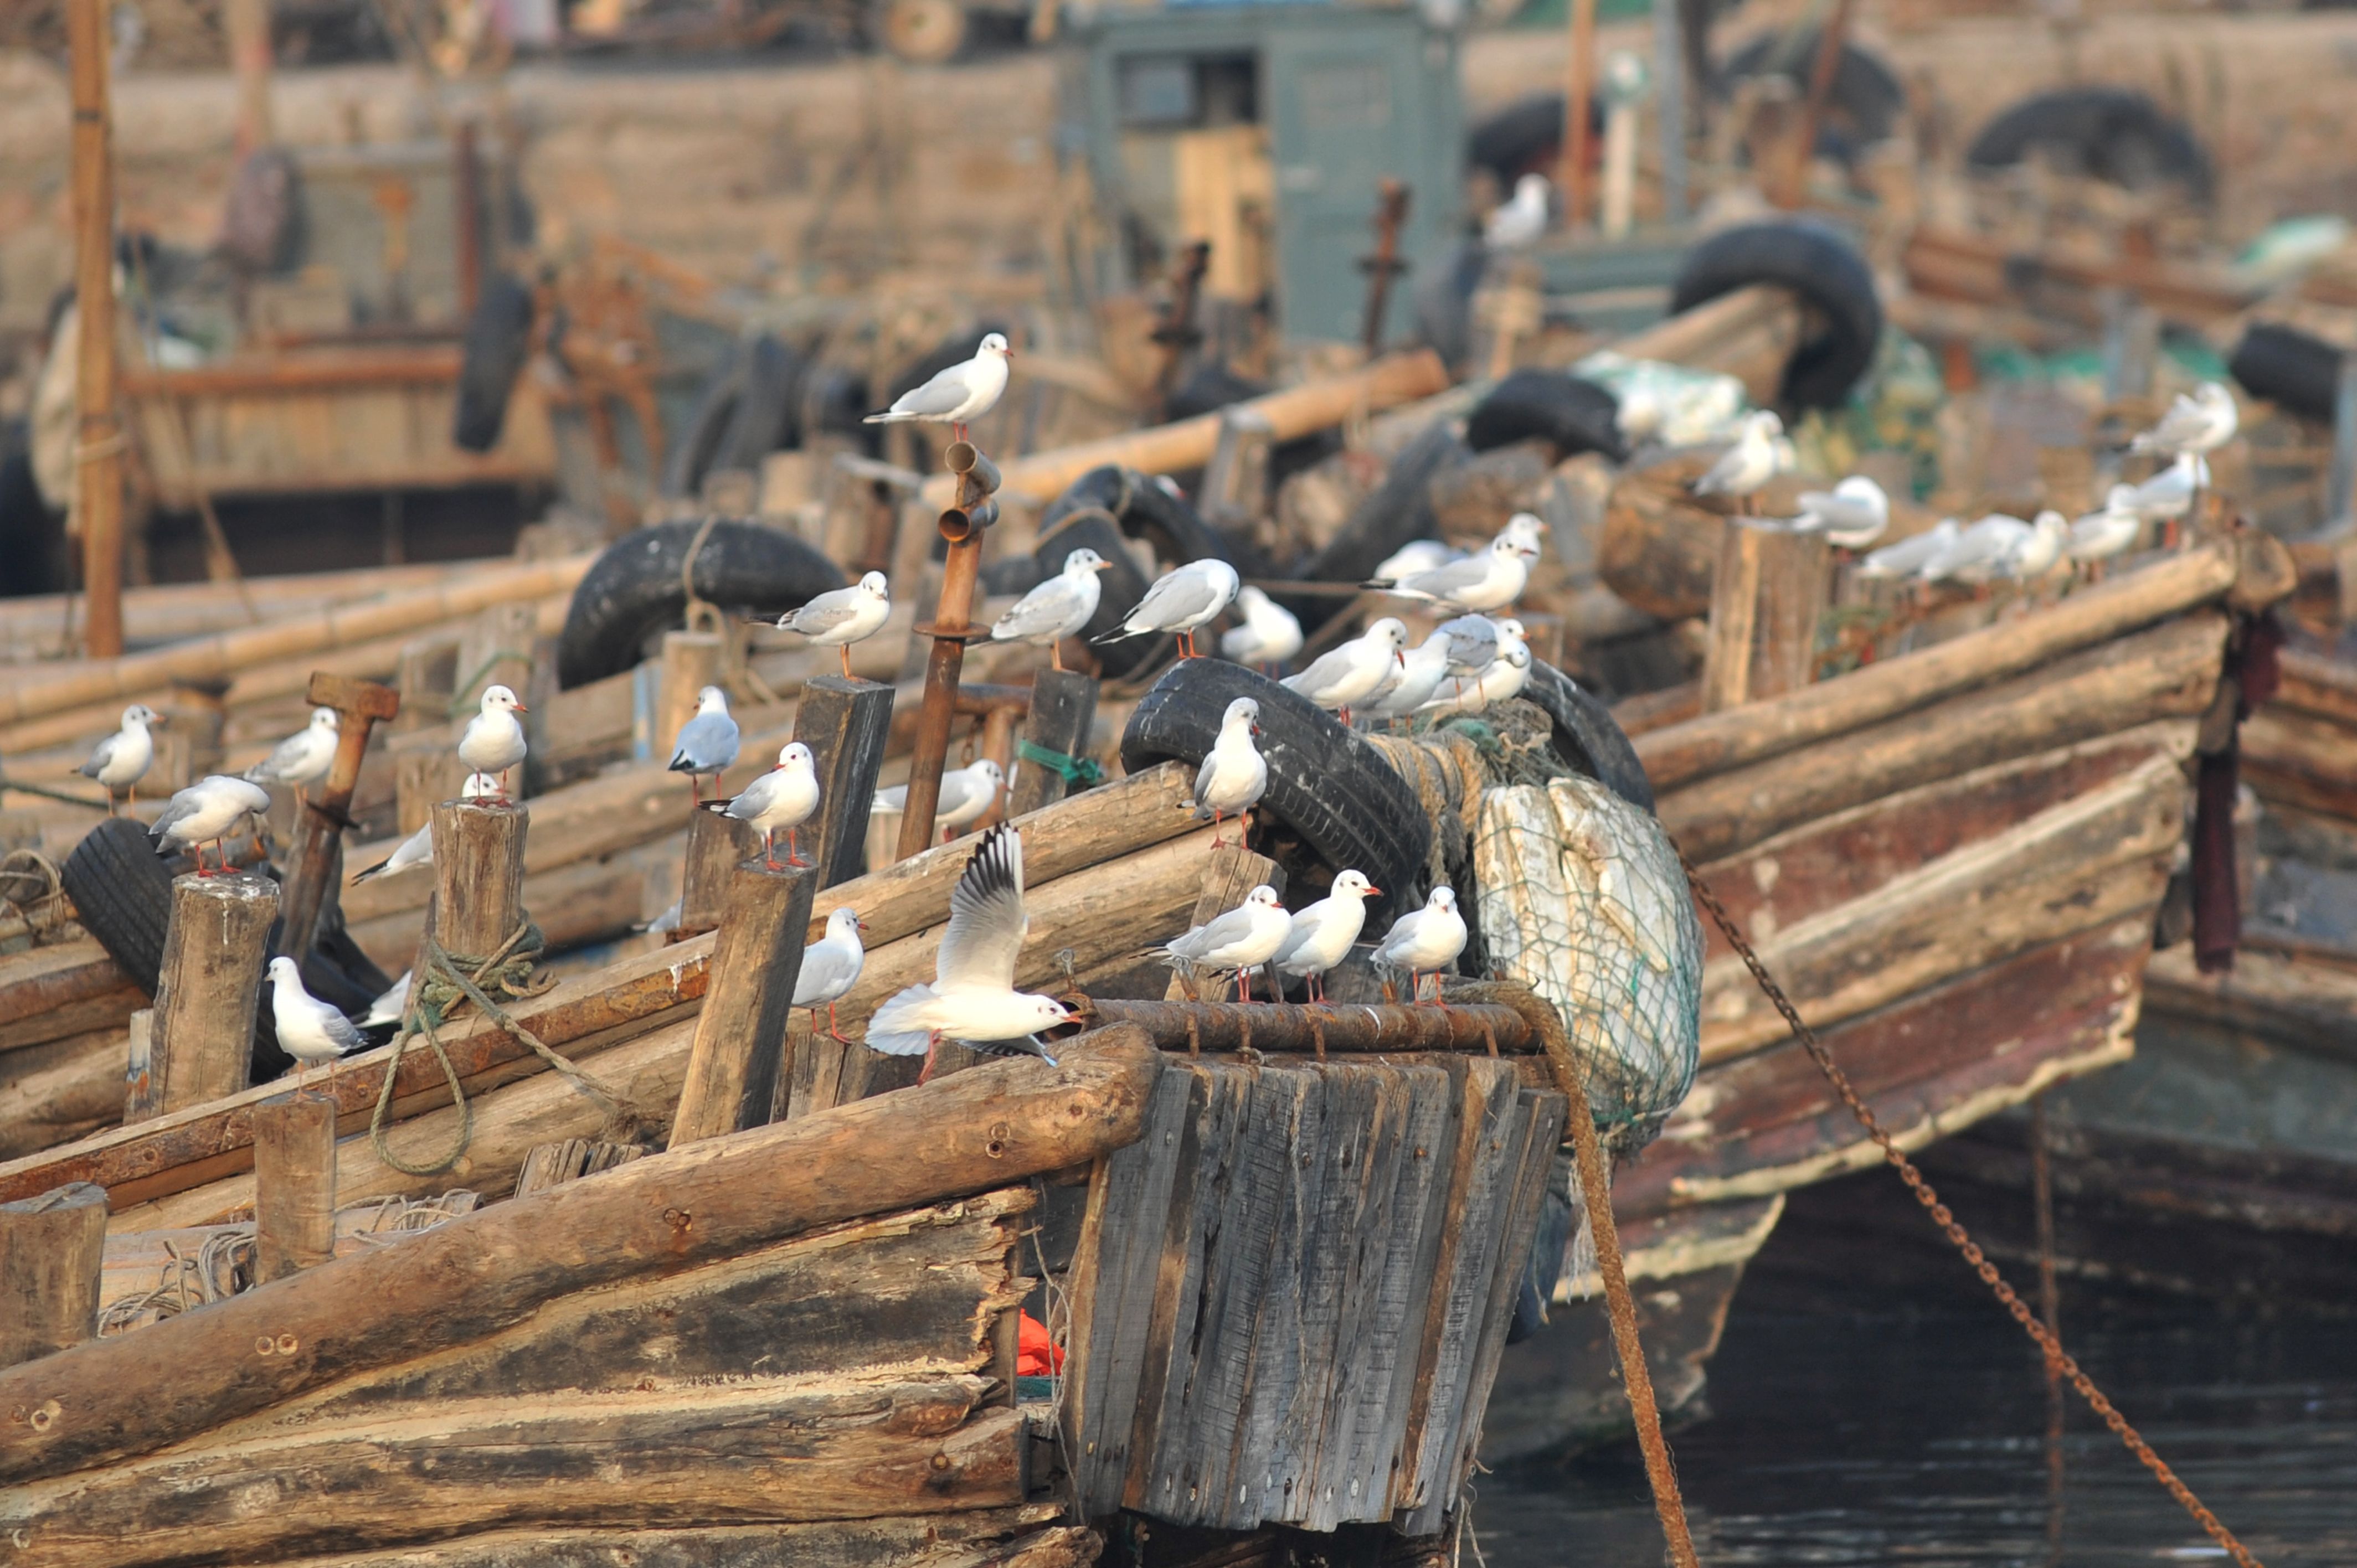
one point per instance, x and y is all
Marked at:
(938, 396)
(987, 920)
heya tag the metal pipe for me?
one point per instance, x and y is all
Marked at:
(962, 525)
(1352, 1028)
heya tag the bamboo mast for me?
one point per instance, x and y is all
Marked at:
(98, 447)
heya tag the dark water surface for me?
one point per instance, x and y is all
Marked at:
(1892, 1426)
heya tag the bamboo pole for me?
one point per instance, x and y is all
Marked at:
(98, 447)
(1581, 83)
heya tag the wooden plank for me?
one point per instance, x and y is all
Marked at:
(570, 1159)
(737, 1072)
(1063, 707)
(1289, 1179)
(1329, 1202)
(37, 985)
(60, 1090)
(976, 1538)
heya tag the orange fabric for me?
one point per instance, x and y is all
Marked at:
(1036, 1355)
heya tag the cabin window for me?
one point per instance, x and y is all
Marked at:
(1173, 93)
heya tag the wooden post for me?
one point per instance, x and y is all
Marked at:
(716, 845)
(316, 864)
(1229, 873)
(737, 1071)
(247, 21)
(210, 988)
(425, 768)
(142, 1089)
(52, 1249)
(1063, 707)
(846, 724)
(478, 876)
(98, 450)
(1580, 84)
(690, 662)
(293, 1184)
(1765, 603)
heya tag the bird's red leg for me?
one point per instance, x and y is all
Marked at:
(793, 849)
(933, 1049)
(1056, 654)
(1216, 827)
(1346, 715)
(769, 850)
(833, 1028)
(844, 649)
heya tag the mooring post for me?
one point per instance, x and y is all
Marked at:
(716, 845)
(478, 876)
(211, 986)
(316, 866)
(1063, 707)
(962, 525)
(293, 1184)
(52, 1249)
(737, 1071)
(1229, 871)
(845, 722)
(142, 1088)
(1765, 603)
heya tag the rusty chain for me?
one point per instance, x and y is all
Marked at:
(2047, 1343)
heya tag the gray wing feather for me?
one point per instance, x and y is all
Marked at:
(1231, 927)
(987, 920)
(179, 810)
(827, 970)
(823, 612)
(100, 756)
(1182, 595)
(937, 396)
(1442, 581)
(1044, 608)
(706, 742)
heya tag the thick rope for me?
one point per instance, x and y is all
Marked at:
(2047, 1343)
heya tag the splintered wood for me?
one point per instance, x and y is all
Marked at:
(1293, 1291)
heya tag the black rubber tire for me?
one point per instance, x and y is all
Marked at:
(2289, 369)
(2121, 137)
(1570, 415)
(1400, 510)
(1146, 510)
(1324, 782)
(768, 415)
(1119, 587)
(498, 342)
(1865, 102)
(632, 592)
(122, 891)
(1814, 263)
(1588, 736)
(1444, 303)
(691, 457)
(1525, 137)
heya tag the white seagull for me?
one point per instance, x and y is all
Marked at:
(1320, 935)
(1746, 466)
(963, 393)
(417, 849)
(707, 743)
(966, 793)
(1424, 941)
(1853, 514)
(122, 758)
(308, 1029)
(1419, 675)
(831, 967)
(303, 758)
(493, 741)
(1233, 774)
(841, 617)
(1237, 942)
(1977, 551)
(1504, 677)
(388, 1007)
(1416, 555)
(783, 798)
(1488, 581)
(1911, 553)
(2100, 535)
(2034, 554)
(2201, 423)
(2168, 496)
(205, 813)
(1269, 635)
(1179, 601)
(1517, 222)
(1352, 670)
(972, 998)
(1472, 643)
(1056, 609)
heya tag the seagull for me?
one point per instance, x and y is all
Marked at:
(1910, 553)
(2168, 496)
(122, 758)
(965, 392)
(308, 1029)
(1975, 552)
(1056, 609)
(1641, 415)
(303, 758)
(1237, 942)
(1472, 643)
(2035, 553)
(493, 741)
(417, 849)
(972, 998)
(708, 741)
(1489, 581)
(204, 813)
(966, 793)
(1345, 673)
(388, 1007)
(1424, 941)
(1180, 600)
(1517, 222)
(1416, 555)
(1504, 677)
(2100, 535)
(2201, 423)
(1233, 774)
(831, 967)
(1853, 514)
(1269, 635)
(785, 797)
(1412, 683)
(1744, 468)
(1320, 936)
(841, 617)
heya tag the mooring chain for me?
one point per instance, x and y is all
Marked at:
(2047, 1344)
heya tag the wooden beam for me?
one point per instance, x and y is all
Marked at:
(1354, 1030)
(735, 1071)
(52, 1248)
(211, 985)
(295, 1184)
(997, 1124)
(844, 721)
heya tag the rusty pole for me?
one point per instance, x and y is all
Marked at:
(1822, 68)
(971, 514)
(1390, 216)
(1580, 84)
(98, 445)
